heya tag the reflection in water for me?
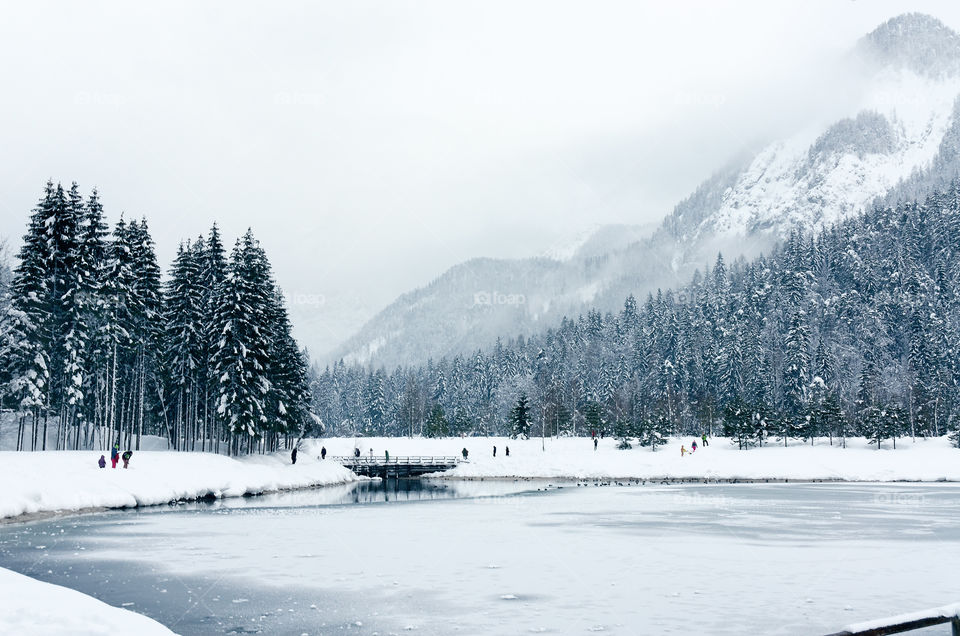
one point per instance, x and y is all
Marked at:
(374, 491)
(399, 490)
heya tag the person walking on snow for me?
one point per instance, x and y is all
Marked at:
(386, 455)
(323, 452)
(127, 454)
(594, 443)
(703, 438)
(683, 450)
(693, 446)
(464, 452)
(506, 450)
(102, 463)
(293, 455)
(494, 451)
(115, 455)
(356, 452)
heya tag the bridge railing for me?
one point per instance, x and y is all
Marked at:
(402, 460)
(907, 622)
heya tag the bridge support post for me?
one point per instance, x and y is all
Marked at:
(955, 624)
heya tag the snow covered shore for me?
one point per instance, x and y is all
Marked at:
(33, 607)
(70, 480)
(53, 481)
(575, 458)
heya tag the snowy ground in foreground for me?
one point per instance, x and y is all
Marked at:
(32, 607)
(923, 460)
(71, 480)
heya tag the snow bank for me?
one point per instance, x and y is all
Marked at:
(33, 607)
(923, 460)
(71, 480)
(947, 611)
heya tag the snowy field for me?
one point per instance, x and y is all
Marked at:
(71, 480)
(923, 460)
(675, 559)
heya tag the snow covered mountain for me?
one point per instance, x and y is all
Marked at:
(899, 136)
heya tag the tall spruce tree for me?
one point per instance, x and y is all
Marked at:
(241, 355)
(520, 419)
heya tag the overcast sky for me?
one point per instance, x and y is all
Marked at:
(372, 145)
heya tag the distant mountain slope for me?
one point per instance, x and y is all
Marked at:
(902, 136)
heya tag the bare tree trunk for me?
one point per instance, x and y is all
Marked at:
(112, 391)
(20, 428)
(143, 397)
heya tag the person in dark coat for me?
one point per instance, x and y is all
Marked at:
(293, 455)
(127, 454)
(114, 455)
(594, 443)
(494, 451)
(323, 453)
(102, 463)
(465, 452)
(356, 452)
(507, 451)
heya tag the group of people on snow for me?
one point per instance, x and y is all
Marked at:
(693, 446)
(115, 456)
(466, 453)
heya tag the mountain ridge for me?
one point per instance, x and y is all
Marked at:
(905, 125)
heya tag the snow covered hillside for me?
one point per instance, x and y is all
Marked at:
(55, 481)
(899, 130)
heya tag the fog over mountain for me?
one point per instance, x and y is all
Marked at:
(896, 91)
(371, 145)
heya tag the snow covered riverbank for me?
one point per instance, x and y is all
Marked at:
(55, 481)
(575, 458)
(36, 608)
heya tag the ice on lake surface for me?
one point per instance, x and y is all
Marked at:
(515, 557)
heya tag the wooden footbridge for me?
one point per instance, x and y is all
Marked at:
(397, 467)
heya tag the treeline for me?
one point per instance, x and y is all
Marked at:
(855, 331)
(94, 344)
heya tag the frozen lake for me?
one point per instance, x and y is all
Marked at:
(507, 558)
